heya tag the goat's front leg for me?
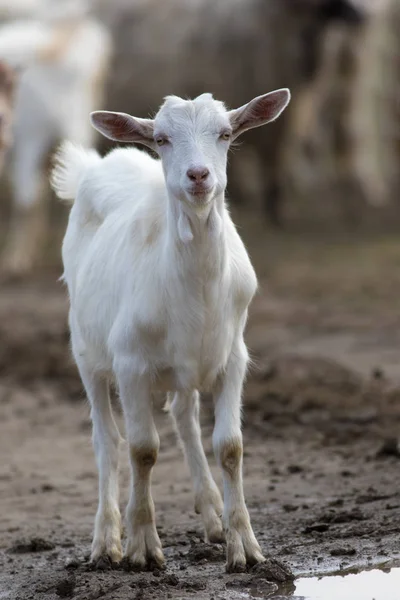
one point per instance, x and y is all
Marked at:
(242, 546)
(143, 544)
(208, 501)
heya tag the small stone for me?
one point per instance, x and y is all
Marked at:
(295, 469)
(71, 563)
(343, 551)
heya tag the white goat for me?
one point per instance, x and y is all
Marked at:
(159, 284)
(64, 56)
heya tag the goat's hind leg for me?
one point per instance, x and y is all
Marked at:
(208, 501)
(106, 438)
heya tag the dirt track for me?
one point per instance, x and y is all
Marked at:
(322, 413)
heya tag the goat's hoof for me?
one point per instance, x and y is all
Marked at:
(146, 554)
(255, 558)
(216, 535)
(102, 556)
(239, 561)
(103, 563)
(156, 561)
(236, 565)
(139, 561)
(242, 550)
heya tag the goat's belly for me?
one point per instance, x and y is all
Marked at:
(200, 371)
(184, 379)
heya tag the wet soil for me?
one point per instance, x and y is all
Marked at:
(321, 429)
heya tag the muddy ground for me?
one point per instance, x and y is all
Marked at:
(322, 418)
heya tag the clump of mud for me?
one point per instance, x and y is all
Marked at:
(206, 552)
(35, 544)
(264, 579)
(273, 570)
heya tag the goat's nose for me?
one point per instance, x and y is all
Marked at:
(198, 174)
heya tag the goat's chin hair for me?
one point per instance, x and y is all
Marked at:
(199, 202)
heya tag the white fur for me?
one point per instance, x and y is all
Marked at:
(160, 283)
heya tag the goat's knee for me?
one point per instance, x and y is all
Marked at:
(242, 546)
(229, 455)
(143, 459)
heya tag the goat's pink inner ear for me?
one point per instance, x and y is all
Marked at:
(268, 107)
(121, 127)
(116, 126)
(260, 111)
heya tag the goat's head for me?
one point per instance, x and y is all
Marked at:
(192, 138)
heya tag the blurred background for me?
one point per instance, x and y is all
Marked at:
(315, 196)
(328, 164)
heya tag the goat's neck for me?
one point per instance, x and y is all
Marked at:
(189, 226)
(198, 240)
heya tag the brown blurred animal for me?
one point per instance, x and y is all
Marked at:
(7, 87)
(322, 141)
(234, 49)
(344, 126)
(375, 116)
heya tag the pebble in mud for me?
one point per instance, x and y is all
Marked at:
(343, 551)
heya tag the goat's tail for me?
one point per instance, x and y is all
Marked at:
(71, 162)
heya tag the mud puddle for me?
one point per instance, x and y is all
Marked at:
(374, 584)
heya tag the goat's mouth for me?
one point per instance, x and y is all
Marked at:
(200, 194)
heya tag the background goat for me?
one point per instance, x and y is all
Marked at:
(159, 284)
(7, 88)
(63, 56)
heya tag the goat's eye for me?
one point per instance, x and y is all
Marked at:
(160, 141)
(225, 135)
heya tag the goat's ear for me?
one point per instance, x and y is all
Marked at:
(121, 127)
(259, 111)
